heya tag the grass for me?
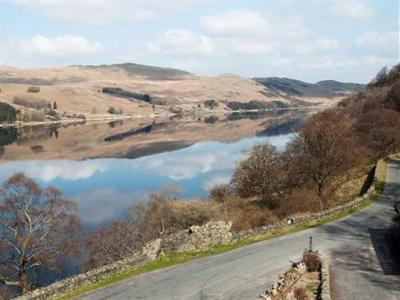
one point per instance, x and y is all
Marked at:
(178, 258)
(312, 288)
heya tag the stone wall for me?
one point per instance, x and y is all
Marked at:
(325, 293)
(286, 281)
(195, 238)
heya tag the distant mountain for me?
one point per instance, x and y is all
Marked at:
(325, 88)
(150, 72)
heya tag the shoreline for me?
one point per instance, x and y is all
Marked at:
(20, 124)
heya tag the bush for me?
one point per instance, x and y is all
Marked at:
(112, 110)
(33, 89)
(300, 293)
(210, 104)
(297, 200)
(7, 113)
(312, 260)
(252, 217)
(220, 192)
(211, 119)
(51, 112)
(246, 214)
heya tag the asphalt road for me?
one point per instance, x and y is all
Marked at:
(361, 265)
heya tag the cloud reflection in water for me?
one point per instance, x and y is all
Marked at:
(103, 188)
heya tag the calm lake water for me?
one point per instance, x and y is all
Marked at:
(104, 187)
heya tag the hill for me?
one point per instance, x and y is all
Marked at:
(150, 72)
(297, 88)
(94, 91)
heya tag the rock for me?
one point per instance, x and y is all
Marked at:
(152, 249)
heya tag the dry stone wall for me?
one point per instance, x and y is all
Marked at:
(195, 238)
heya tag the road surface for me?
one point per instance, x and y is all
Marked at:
(360, 265)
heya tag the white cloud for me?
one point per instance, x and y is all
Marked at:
(101, 12)
(318, 46)
(377, 39)
(109, 203)
(327, 44)
(253, 47)
(57, 47)
(234, 22)
(331, 62)
(353, 10)
(47, 171)
(181, 43)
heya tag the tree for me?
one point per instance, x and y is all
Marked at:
(37, 229)
(8, 113)
(321, 150)
(112, 110)
(33, 89)
(55, 105)
(210, 103)
(111, 243)
(146, 98)
(380, 77)
(379, 130)
(159, 216)
(261, 174)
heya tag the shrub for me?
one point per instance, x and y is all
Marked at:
(245, 214)
(221, 192)
(115, 111)
(112, 110)
(7, 113)
(210, 104)
(300, 293)
(297, 200)
(312, 260)
(51, 112)
(33, 89)
(211, 119)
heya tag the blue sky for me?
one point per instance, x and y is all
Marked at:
(308, 40)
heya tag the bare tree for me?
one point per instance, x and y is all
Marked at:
(37, 227)
(261, 174)
(379, 130)
(111, 243)
(155, 218)
(322, 149)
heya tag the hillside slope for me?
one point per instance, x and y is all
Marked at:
(324, 89)
(139, 89)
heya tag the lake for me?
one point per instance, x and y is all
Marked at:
(106, 168)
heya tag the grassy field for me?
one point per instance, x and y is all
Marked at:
(178, 258)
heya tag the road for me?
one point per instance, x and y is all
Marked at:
(359, 270)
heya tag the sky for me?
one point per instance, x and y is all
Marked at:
(307, 40)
